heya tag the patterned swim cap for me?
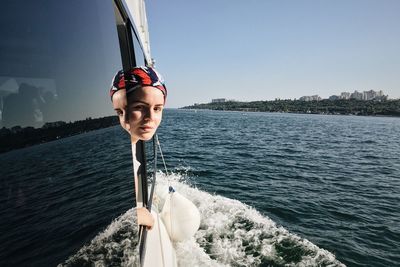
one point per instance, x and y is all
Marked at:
(138, 77)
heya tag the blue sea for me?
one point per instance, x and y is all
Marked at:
(274, 189)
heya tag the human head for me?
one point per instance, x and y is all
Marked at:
(140, 112)
(138, 77)
(119, 102)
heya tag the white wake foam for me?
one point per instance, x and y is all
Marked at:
(231, 234)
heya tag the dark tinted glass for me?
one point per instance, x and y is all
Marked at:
(57, 60)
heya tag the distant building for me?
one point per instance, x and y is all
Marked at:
(369, 95)
(375, 95)
(344, 95)
(365, 95)
(310, 98)
(218, 100)
(334, 97)
(357, 95)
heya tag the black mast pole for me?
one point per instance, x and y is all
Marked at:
(124, 29)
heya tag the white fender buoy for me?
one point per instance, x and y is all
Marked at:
(180, 216)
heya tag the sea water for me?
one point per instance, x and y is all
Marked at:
(273, 190)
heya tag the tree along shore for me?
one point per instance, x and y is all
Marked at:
(18, 137)
(330, 107)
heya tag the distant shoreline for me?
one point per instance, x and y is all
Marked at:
(300, 113)
(387, 108)
(18, 137)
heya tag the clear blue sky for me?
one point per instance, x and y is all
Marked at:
(262, 50)
(67, 52)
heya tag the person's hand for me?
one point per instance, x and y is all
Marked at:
(145, 218)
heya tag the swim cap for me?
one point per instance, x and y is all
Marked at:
(138, 77)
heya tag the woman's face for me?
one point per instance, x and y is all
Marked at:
(145, 107)
(119, 104)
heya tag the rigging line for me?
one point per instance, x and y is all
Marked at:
(170, 188)
(154, 174)
(155, 138)
(165, 165)
(162, 155)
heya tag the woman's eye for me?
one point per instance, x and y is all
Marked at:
(137, 108)
(158, 108)
(119, 113)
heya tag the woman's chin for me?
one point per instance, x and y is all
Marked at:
(146, 136)
(142, 135)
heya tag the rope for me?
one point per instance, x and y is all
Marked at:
(162, 155)
(169, 182)
(156, 143)
(170, 188)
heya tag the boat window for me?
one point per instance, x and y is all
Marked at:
(60, 181)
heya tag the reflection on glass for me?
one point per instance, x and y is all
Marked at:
(56, 60)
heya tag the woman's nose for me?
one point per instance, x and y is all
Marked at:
(149, 114)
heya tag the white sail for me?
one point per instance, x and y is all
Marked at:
(136, 10)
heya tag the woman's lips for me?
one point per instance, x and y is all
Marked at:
(146, 128)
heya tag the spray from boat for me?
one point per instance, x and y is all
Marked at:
(231, 234)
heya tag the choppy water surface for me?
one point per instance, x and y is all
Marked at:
(273, 189)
